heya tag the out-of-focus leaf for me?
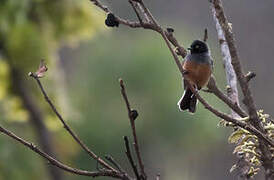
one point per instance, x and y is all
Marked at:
(41, 70)
(4, 79)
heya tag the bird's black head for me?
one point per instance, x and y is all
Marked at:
(198, 47)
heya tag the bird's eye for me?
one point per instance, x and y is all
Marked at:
(197, 47)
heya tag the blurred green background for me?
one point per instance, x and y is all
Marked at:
(85, 61)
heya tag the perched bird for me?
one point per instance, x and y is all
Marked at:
(197, 66)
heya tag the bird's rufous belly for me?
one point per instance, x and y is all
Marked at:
(197, 73)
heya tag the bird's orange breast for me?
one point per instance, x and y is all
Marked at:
(197, 73)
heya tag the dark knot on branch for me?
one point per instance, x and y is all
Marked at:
(111, 20)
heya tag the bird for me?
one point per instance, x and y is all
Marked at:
(197, 69)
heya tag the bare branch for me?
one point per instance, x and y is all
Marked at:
(58, 164)
(129, 156)
(230, 73)
(179, 49)
(135, 6)
(75, 137)
(235, 61)
(111, 160)
(132, 123)
(237, 122)
(121, 20)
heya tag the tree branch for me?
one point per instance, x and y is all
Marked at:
(58, 164)
(132, 123)
(267, 159)
(235, 61)
(36, 117)
(230, 73)
(212, 87)
(129, 156)
(70, 131)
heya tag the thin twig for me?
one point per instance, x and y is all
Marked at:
(111, 160)
(55, 162)
(75, 137)
(148, 13)
(129, 156)
(132, 123)
(133, 4)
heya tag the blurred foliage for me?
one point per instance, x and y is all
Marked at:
(31, 30)
(34, 29)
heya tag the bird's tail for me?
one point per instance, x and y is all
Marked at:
(188, 101)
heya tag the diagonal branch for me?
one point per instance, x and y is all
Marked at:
(132, 123)
(125, 22)
(237, 122)
(212, 88)
(75, 137)
(134, 6)
(58, 164)
(130, 158)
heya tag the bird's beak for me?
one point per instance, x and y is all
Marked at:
(189, 48)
